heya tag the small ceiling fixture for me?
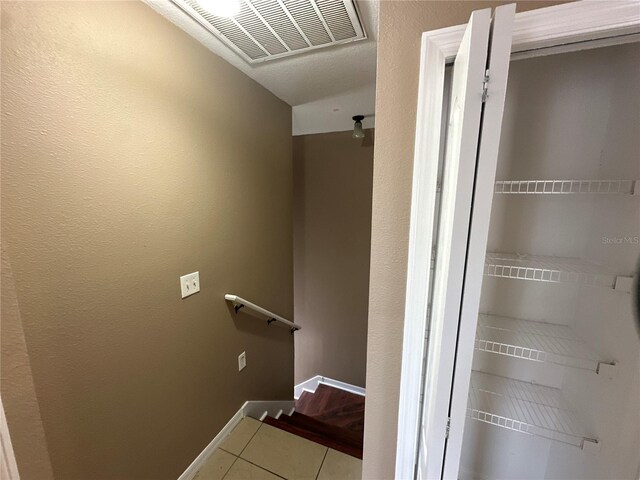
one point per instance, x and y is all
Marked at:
(358, 132)
(221, 8)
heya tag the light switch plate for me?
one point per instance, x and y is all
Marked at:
(242, 361)
(190, 284)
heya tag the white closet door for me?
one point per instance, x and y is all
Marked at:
(466, 121)
(457, 185)
(498, 69)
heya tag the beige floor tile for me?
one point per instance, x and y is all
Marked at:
(243, 470)
(287, 455)
(240, 435)
(340, 466)
(216, 466)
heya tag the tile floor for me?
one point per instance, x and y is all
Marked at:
(257, 451)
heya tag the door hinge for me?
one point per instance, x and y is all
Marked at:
(485, 86)
(446, 433)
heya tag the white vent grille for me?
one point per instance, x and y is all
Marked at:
(270, 29)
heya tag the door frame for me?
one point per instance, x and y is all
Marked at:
(562, 28)
(8, 465)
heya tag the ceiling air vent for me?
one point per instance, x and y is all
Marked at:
(269, 29)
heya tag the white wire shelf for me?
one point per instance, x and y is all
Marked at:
(540, 268)
(535, 341)
(526, 408)
(567, 187)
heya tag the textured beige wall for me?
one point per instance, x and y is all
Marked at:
(333, 179)
(131, 155)
(401, 25)
(24, 422)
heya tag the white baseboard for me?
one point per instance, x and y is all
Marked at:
(311, 385)
(259, 409)
(272, 408)
(255, 409)
(192, 469)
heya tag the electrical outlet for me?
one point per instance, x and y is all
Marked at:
(190, 284)
(242, 361)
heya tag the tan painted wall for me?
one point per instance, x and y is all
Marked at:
(333, 179)
(401, 24)
(132, 155)
(18, 392)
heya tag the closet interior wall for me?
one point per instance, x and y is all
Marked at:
(568, 116)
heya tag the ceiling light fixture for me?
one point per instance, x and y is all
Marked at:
(358, 132)
(221, 8)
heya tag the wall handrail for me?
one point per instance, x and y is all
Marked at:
(239, 302)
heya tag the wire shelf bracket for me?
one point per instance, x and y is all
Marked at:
(526, 408)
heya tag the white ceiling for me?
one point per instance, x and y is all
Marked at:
(325, 87)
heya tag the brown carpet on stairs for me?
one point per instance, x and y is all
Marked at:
(331, 417)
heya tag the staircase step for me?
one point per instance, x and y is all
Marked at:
(333, 406)
(339, 438)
